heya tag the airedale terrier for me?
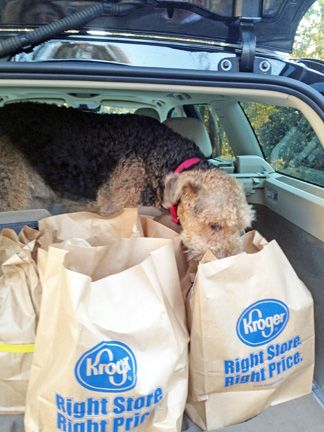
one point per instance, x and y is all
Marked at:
(84, 160)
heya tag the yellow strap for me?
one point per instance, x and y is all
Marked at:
(17, 348)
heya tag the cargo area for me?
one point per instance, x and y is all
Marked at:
(288, 210)
(305, 414)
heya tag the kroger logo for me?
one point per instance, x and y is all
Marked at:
(107, 367)
(262, 322)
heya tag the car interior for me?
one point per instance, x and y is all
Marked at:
(289, 200)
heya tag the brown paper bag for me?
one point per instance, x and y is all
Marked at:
(97, 230)
(111, 347)
(94, 228)
(156, 228)
(252, 335)
(19, 306)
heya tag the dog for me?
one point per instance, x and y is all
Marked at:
(103, 163)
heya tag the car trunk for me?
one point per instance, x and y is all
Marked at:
(294, 218)
(305, 414)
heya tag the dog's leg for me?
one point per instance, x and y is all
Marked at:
(15, 186)
(65, 205)
(124, 187)
(21, 187)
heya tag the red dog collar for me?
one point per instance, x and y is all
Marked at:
(184, 165)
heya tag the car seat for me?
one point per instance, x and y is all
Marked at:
(148, 112)
(193, 129)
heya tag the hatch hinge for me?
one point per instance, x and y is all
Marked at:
(248, 13)
(248, 38)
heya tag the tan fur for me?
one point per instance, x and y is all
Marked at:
(124, 187)
(22, 188)
(212, 210)
(18, 183)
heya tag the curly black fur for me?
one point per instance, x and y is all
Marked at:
(75, 151)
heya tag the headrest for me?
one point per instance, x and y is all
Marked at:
(148, 112)
(193, 129)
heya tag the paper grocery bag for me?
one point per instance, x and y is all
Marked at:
(89, 228)
(92, 227)
(19, 310)
(97, 230)
(111, 352)
(155, 229)
(252, 335)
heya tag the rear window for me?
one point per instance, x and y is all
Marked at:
(43, 11)
(288, 141)
(218, 138)
(212, 19)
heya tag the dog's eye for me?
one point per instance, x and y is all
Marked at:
(216, 227)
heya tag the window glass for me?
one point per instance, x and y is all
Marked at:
(106, 109)
(220, 143)
(288, 141)
(37, 12)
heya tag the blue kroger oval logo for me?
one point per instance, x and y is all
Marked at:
(262, 322)
(107, 367)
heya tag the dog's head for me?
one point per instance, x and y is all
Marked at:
(212, 210)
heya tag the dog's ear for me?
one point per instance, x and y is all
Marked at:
(176, 185)
(248, 216)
